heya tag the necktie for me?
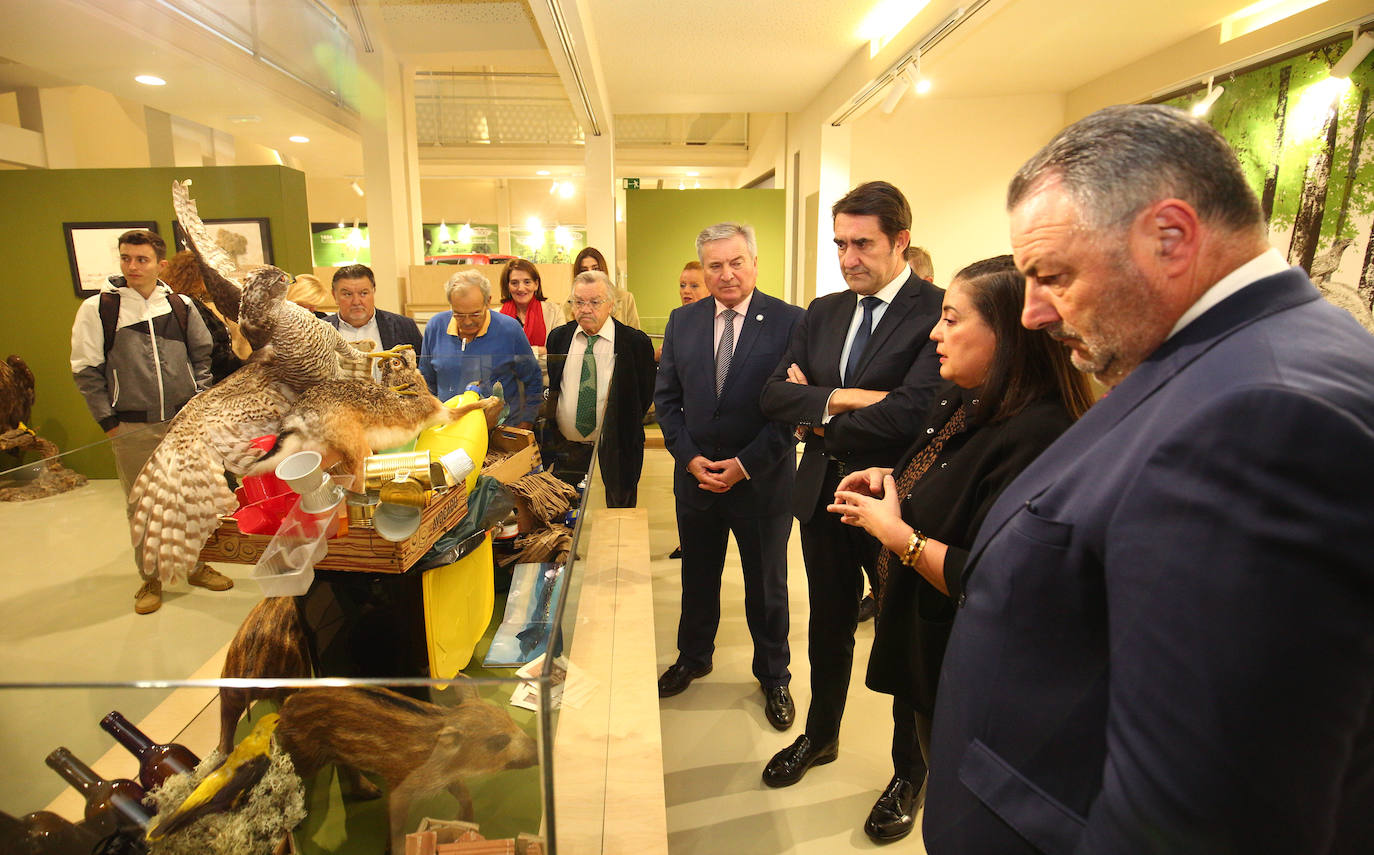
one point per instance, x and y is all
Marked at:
(908, 478)
(726, 349)
(856, 349)
(586, 391)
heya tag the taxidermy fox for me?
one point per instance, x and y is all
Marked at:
(347, 420)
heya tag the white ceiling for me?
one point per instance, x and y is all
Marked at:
(655, 56)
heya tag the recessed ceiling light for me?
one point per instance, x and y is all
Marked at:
(245, 119)
(299, 138)
(543, 172)
(150, 80)
(692, 173)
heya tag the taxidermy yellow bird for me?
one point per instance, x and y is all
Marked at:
(226, 788)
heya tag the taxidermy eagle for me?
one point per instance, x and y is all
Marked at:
(181, 491)
(16, 393)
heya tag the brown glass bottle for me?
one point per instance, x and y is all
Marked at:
(156, 762)
(44, 832)
(110, 805)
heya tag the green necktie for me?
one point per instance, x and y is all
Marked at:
(586, 390)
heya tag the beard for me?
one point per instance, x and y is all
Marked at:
(1128, 324)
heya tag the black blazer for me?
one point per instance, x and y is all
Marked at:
(695, 422)
(900, 358)
(631, 391)
(395, 329)
(948, 504)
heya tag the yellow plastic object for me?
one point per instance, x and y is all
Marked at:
(468, 433)
(459, 599)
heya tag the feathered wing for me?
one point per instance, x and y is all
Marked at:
(177, 499)
(216, 267)
(17, 392)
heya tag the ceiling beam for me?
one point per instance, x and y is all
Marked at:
(565, 28)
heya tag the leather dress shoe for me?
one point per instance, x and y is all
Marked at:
(778, 707)
(894, 814)
(789, 765)
(677, 678)
(868, 607)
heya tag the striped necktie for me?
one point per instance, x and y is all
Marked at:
(726, 349)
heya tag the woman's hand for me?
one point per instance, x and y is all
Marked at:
(865, 482)
(880, 517)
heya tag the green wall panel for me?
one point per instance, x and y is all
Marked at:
(37, 322)
(661, 228)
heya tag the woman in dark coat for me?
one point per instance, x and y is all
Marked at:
(1010, 393)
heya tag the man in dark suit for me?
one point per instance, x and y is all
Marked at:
(606, 396)
(733, 468)
(358, 319)
(1166, 637)
(858, 378)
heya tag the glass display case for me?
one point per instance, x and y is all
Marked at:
(357, 672)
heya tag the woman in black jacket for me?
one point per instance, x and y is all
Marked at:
(1011, 392)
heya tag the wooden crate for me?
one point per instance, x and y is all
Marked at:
(361, 550)
(522, 461)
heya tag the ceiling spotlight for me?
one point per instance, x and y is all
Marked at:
(150, 80)
(246, 119)
(1213, 93)
(299, 139)
(919, 84)
(356, 189)
(681, 186)
(692, 173)
(534, 225)
(696, 185)
(543, 172)
(895, 93)
(566, 190)
(553, 188)
(1359, 49)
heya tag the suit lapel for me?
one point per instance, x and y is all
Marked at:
(831, 335)
(903, 304)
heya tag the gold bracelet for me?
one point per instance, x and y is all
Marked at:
(915, 545)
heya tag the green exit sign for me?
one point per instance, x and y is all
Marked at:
(631, 183)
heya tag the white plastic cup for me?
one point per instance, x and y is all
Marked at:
(301, 472)
(458, 465)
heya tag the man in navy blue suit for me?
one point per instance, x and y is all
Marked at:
(733, 468)
(1166, 640)
(359, 319)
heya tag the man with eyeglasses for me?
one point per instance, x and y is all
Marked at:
(601, 382)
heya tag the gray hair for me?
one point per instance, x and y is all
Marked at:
(725, 231)
(596, 277)
(1120, 159)
(464, 279)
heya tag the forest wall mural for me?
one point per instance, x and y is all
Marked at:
(1303, 139)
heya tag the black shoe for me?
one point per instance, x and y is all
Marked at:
(894, 814)
(677, 678)
(868, 607)
(676, 553)
(778, 707)
(788, 765)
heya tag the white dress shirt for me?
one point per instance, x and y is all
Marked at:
(1267, 263)
(604, 352)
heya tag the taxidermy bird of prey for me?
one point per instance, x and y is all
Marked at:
(226, 788)
(181, 491)
(16, 393)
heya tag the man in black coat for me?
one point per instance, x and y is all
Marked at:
(732, 467)
(858, 379)
(355, 291)
(595, 398)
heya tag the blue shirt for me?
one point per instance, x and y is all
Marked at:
(501, 354)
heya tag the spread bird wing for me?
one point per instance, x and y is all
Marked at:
(216, 266)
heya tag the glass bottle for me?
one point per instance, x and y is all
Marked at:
(112, 805)
(44, 832)
(156, 762)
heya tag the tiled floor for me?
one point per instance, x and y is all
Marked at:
(716, 740)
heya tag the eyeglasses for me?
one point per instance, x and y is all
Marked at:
(588, 304)
(470, 316)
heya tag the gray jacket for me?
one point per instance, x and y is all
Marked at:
(153, 368)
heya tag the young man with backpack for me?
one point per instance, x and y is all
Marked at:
(138, 355)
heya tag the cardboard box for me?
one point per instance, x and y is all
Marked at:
(520, 444)
(361, 550)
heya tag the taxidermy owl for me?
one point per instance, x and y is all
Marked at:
(181, 491)
(351, 419)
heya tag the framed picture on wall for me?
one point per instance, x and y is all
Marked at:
(248, 242)
(93, 252)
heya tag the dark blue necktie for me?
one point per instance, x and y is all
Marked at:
(856, 349)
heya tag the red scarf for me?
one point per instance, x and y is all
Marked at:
(534, 320)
